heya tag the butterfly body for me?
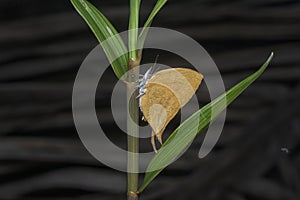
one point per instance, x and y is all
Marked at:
(143, 82)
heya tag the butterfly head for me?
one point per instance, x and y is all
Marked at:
(146, 77)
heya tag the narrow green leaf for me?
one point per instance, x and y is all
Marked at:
(141, 40)
(133, 28)
(190, 128)
(103, 30)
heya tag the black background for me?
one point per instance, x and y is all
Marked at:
(42, 45)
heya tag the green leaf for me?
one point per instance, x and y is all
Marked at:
(133, 28)
(141, 40)
(190, 128)
(104, 30)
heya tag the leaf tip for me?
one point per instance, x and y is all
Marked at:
(270, 57)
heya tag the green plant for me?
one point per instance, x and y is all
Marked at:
(104, 30)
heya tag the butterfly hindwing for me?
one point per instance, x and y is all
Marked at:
(159, 105)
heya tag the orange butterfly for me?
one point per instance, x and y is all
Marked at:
(163, 94)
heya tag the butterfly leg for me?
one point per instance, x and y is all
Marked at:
(153, 142)
(144, 119)
(141, 93)
(139, 80)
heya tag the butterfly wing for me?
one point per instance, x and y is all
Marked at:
(159, 105)
(181, 81)
(166, 92)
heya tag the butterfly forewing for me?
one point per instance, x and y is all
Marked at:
(183, 82)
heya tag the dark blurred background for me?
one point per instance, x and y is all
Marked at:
(42, 45)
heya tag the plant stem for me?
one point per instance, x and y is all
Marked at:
(133, 133)
(133, 28)
(132, 102)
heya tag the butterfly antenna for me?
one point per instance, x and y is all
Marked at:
(156, 58)
(154, 67)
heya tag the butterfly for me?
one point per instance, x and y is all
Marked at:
(162, 94)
